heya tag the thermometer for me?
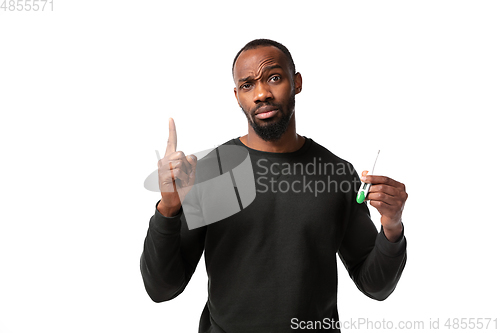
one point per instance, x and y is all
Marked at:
(364, 188)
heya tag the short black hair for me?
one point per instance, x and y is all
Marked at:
(256, 43)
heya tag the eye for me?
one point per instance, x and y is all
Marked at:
(275, 78)
(245, 86)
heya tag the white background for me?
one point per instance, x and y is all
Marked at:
(85, 95)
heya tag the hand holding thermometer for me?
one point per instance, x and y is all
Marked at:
(365, 187)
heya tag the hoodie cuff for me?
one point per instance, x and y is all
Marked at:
(391, 249)
(166, 225)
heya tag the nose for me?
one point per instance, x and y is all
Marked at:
(262, 92)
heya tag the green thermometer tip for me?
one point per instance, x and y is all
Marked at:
(361, 197)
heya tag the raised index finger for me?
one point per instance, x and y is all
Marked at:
(172, 138)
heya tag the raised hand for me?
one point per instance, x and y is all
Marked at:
(389, 197)
(176, 174)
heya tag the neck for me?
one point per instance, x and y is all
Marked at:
(289, 142)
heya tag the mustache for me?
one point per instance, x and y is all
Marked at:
(278, 106)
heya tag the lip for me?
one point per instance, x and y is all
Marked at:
(266, 115)
(265, 109)
(265, 112)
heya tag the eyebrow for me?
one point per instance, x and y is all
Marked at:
(267, 68)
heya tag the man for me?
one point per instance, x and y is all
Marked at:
(272, 266)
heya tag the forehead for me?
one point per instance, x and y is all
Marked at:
(251, 62)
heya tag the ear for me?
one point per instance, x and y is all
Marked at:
(236, 95)
(297, 79)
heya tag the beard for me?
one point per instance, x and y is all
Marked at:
(273, 128)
